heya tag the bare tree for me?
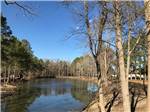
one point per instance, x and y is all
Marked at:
(147, 16)
(124, 83)
(95, 51)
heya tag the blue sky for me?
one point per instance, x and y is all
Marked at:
(46, 32)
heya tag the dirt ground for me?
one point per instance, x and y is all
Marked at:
(93, 107)
(6, 90)
(138, 81)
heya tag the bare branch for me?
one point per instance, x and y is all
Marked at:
(25, 8)
(137, 41)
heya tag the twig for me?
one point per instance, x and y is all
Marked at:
(21, 6)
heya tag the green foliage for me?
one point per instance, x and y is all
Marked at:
(18, 59)
(139, 54)
(17, 54)
(5, 29)
(78, 59)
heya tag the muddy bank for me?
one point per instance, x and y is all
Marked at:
(7, 89)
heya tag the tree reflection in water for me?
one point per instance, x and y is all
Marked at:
(49, 95)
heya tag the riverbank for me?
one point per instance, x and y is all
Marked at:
(139, 81)
(118, 106)
(61, 95)
(82, 78)
(7, 89)
(10, 88)
(139, 99)
(94, 107)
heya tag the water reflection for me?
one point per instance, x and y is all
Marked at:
(91, 87)
(49, 95)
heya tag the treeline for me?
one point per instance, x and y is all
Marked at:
(83, 66)
(17, 58)
(19, 63)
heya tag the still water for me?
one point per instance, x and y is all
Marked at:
(50, 95)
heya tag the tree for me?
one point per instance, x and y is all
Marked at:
(147, 17)
(84, 65)
(17, 56)
(96, 51)
(5, 29)
(93, 26)
(124, 82)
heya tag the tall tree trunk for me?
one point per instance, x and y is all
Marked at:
(5, 75)
(147, 16)
(8, 74)
(96, 55)
(124, 83)
(129, 53)
(14, 75)
(106, 68)
(100, 91)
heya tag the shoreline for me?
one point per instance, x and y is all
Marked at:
(82, 78)
(9, 89)
(139, 81)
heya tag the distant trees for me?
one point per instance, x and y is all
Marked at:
(58, 67)
(16, 55)
(18, 61)
(84, 66)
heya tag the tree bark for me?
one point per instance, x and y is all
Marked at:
(8, 74)
(100, 91)
(129, 53)
(147, 17)
(95, 56)
(5, 75)
(124, 83)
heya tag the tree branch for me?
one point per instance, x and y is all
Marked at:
(137, 41)
(20, 6)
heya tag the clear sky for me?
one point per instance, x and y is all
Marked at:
(46, 32)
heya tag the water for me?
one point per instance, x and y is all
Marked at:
(50, 95)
